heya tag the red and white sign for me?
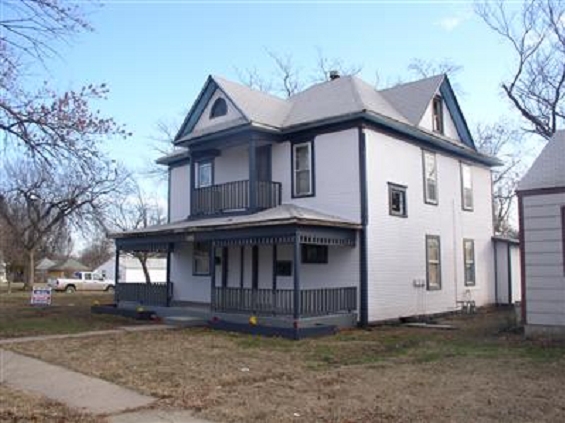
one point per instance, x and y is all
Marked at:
(41, 296)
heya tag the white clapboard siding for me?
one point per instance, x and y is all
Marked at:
(179, 193)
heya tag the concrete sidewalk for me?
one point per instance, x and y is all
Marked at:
(119, 330)
(65, 386)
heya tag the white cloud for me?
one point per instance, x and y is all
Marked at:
(450, 23)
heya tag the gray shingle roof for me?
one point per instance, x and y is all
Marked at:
(548, 170)
(413, 98)
(283, 214)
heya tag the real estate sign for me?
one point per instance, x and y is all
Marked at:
(41, 296)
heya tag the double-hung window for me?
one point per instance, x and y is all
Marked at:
(430, 177)
(203, 174)
(397, 200)
(433, 262)
(303, 179)
(201, 259)
(466, 187)
(469, 261)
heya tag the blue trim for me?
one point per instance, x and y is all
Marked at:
(169, 171)
(363, 241)
(197, 108)
(450, 99)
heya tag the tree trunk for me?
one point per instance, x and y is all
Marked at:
(143, 261)
(31, 272)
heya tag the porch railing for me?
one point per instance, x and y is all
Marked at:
(313, 302)
(235, 196)
(155, 294)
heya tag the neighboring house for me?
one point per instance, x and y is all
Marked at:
(338, 200)
(60, 269)
(131, 271)
(541, 195)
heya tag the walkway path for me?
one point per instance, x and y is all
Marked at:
(119, 330)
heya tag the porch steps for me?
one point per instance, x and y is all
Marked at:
(185, 321)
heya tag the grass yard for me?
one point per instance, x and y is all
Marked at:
(69, 313)
(15, 406)
(481, 372)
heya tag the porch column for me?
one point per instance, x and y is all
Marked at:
(296, 265)
(212, 267)
(252, 175)
(241, 264)
(274, 293)
(169, 283)
(116, 273)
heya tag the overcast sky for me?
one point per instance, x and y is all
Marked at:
(156, 55)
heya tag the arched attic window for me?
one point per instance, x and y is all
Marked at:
(219, 108)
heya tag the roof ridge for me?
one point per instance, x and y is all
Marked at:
(416, 81)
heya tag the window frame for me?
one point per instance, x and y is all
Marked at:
(197, 167)
(281, 265)
(427, 200)
(323, 258)
(392, 188)
(473, 262)
(311, 169)
(204, 250)
(462, 167)
(219, 108)
(438, 121)
(439, 281)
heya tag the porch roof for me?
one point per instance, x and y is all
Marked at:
(285, 214)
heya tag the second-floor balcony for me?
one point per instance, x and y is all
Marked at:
(233, 197)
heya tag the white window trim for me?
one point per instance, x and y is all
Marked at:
(427, 199)
(472, 262)
(465, 206)
(198, 167)
(437, 263)
(295, 147)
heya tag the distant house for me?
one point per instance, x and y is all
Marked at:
(541, 195)
(131, 270)
(48, 269)
(341, 200)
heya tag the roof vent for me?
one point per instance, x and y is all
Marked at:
(334, 75)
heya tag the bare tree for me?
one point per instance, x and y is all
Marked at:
(38, 202)
(136, 210)
(504, 141)
(425, 68)
(536, 35)
(98, 252)
(325, 65)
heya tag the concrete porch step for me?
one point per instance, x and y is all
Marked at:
(184, 321)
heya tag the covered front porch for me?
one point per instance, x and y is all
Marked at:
(282, 272)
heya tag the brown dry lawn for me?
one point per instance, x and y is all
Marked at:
(481, 372)
(69, 313)
(16, 406)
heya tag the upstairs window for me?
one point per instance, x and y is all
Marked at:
(397, 200)
(466, 187)
(302, 170)
(219, 108)
(430, 178)
(203, 174)
(437, 110)
(201, 259)
(433, 262)
(469, 261)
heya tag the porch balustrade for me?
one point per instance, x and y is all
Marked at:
(313, 302)
(235, 196)
(154, 294)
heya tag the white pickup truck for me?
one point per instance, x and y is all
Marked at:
(83, 281)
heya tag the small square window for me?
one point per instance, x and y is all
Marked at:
(314, 254)
(201, 259)
(284, 268)
(397, 200)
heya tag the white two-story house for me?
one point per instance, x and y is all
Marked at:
(341, 199)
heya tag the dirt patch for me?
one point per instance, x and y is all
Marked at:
(15, 406)
(483, 371)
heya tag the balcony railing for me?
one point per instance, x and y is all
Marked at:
(235, 196)
(313, 302)
(154, 294)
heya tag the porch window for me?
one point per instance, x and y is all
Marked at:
(430, 178)
(469, 260)
(437, 110)
(314, 254)
(201, 261)
(433, 262)
(302, 170)
(284, 268)
(397, 200)
(466, 187)
(203, 174)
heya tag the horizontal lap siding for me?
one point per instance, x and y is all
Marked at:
(180, 193)
(336, 173)
(396, 246)
(232, 165)
(186, 286)
(545, 294)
